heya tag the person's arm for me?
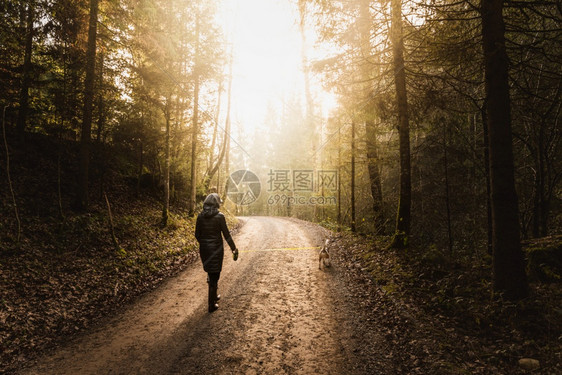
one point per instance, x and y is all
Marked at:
(197, 230)
(226, 234)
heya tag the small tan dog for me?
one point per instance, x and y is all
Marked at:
(324, 256)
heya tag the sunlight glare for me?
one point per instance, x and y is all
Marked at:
(267, 67)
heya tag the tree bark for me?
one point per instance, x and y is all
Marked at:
(86, 134)
(223, 152)
(373, 165)
(101, 109)
(339, 180)
(488, 182)
(26, 74)
(140, 166)
(447, 189)
(166, 201)
(8, 175)
(375, 179)
(309, 99)
(211, 162)
(402, 232)
(508, 263)
(540, 214)
(111, 225)
(227, 133)
(353, 222)
(310, 118)
(227, 159)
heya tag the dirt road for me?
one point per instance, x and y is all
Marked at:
(279, 314)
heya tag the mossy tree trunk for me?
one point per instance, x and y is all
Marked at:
(402, 231)
(26, 73)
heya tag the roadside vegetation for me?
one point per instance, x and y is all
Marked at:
(422, 298)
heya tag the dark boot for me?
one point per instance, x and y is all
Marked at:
(213, 299)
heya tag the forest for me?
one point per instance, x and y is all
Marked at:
(428, 131)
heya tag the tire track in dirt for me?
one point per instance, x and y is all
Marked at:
(279, 314)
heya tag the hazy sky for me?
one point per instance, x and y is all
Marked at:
(267, 57)
(266, 46)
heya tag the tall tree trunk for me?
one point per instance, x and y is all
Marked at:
(373, 165)
(73, 101)
(195, 124)
(541, 197)
(211, 161)
(8, 175)
(63, 112)
(101, 109)
(541, 212)
(472, 120)
(353, 222)
(227, 159)
(508, 263)
(488, 182)
(447, 192)
(227, 131)
(536, 205)
(26, 73)
(86, 134)
(140, 166)
(375, 179)
(400, 239)
(166, 201)
(339, 179)
(545, 208)
(310, 123)
(226, 135)
(309, 101)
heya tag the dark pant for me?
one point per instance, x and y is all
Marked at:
(213, 278)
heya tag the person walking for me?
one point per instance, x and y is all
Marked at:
(209, 229)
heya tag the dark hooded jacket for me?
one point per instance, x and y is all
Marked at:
(208, 228)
